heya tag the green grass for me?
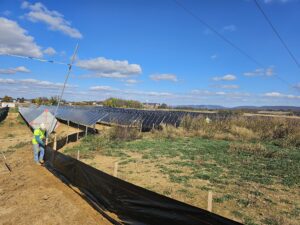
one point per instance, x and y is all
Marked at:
(205, 164)
(206, 159)
(224, 198)
(20, 120)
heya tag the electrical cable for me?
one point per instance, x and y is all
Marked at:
(277, 33)
(37, 59)
(230, 42)
(219, 34)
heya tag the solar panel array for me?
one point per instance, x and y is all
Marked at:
(145, 119)
(35, 116)
(31, 113)
(3, 113)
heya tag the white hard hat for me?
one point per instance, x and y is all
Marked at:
(42, 126)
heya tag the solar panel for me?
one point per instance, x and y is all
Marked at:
(89, 116)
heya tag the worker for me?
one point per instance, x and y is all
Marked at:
(38, 144)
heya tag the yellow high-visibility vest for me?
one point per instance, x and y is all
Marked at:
(38, 132)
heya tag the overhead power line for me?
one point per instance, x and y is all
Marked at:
(240, 50)
(277, 33)
(218, 34)
(36, 59)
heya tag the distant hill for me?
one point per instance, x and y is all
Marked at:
(218, 107)
(276, 108)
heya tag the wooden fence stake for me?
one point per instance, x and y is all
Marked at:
(116, 169)
(86, 131)
(209, 201)
(54, 142)
(77, 132)
(78, 154)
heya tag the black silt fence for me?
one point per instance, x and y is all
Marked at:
(70, 138)
(3, 113)
(132, 204)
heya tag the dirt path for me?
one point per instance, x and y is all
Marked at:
(31, 195)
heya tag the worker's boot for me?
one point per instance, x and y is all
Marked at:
(42, 161)
(38, 163)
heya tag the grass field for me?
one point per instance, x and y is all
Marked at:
(252, 182)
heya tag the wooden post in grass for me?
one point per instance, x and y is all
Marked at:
(54, 142)
(116, 169)
(86, 130)
(68, 132)
(77, 132)
(78, 154)
(209, 201)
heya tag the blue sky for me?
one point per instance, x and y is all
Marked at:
(152, 51)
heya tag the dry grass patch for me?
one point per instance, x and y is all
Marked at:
(121, 133)
(169, 132)
(253, 148)
(243, 133)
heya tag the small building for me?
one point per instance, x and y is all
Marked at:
(8, 104)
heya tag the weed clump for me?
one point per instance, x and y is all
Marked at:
(251, 148)
(282, 131)
(124, 133)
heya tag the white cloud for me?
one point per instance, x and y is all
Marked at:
(39, 13)
(230, 86)
(281, 95)
(261, 72)
(50, 51)
(19, 69)
(125, 93)
(109, 68)
(214, 56)
(102, 88)
(207, 93)
(297, 86)
(15, 40)
(273, 94)
(278, 1)
(131, 81)
(6, 13)
(230, 28)
(228, 77)
(164, 76)
(38, 84)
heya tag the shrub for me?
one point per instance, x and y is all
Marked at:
(168, 131)
(117, 102)
(124, 133)
(285, 132)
